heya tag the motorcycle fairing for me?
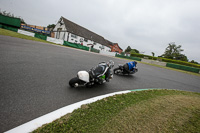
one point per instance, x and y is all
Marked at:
(100, 70)
(84, 76)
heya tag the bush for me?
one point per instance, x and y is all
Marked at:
(166, 60)
(143, 56)
(181, 62)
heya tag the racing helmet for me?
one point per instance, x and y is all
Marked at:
(110, 63)
(135, 63)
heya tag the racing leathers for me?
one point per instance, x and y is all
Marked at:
(130, 66)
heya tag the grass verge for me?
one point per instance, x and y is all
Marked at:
(18, 35)
(142, 111)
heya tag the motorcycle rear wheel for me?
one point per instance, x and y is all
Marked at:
(74, 81)
(117, 70)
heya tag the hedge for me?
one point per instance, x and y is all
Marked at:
(186, 68)
(128, 57)
(167, 60)
(181, 62)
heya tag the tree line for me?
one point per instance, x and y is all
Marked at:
(172, 51)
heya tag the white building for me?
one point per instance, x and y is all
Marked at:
(71, 32)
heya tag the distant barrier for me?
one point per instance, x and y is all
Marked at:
(94, 50)
(181, 67)
(26, 33)
(74, 45)
(154, 62)
(8, 28)
(128, 57)
(40, 36)
(54, 40)
(107, 53)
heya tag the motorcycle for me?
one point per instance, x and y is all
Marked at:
(120, 70)
(93, 76)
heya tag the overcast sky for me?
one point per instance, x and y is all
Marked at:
(145, 25)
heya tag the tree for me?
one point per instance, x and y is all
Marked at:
(128, 49)
(174, 52)
(194, 62)
(134, 51)
(182, 57)
(51, 26)
(153, 54)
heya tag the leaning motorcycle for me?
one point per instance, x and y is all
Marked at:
(120, 70)
(93, 76)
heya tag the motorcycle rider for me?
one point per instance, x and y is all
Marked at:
(130, 66)
(101, 69)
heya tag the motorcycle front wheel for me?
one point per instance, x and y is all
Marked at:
(74, 82)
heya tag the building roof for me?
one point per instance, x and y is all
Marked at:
(83, 32)
(117, 45)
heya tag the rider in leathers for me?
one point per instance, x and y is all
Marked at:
(130, 66)
(103, 68)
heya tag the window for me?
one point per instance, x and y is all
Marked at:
(81, 39)
(59, 29)
(73, 36)
(101, 47)
(86, 40)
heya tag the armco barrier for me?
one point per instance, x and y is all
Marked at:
(8, 28)
(128, 57)
(154, 62)
(40, 36)
(95, 50)
(181, 67)
(74, 45)
(26, 33)
(54, 40)
(107, 53)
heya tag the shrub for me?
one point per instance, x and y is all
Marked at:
(166, 60)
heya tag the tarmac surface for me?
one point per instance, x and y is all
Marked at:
(34, 79)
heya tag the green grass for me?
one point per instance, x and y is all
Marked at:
(142, 111)
(15, 34)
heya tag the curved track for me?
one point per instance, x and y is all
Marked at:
(34, 79)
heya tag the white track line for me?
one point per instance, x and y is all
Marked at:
(38, 122)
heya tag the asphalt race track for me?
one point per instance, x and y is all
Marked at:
(34, 79)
